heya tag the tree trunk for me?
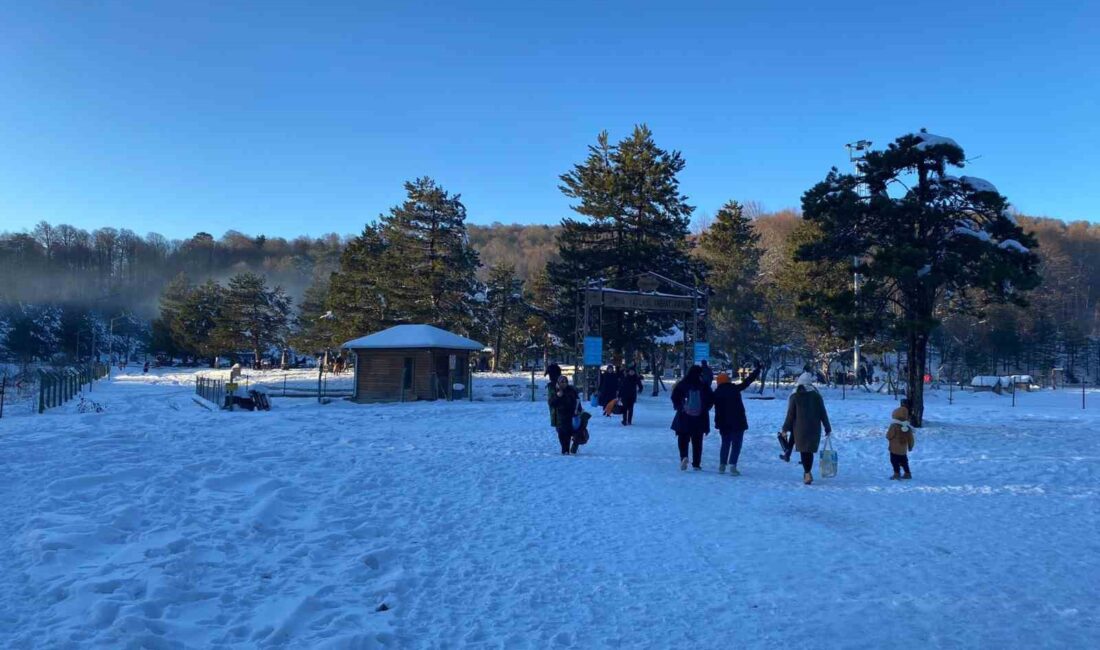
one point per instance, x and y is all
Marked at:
(915, 358)
(496, 350)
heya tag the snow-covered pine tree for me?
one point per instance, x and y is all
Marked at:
(633, 219)
(254, 316)
(921, 235)
(199, 314)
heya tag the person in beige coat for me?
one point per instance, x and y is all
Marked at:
(900, 435)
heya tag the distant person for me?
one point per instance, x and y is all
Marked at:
(658, 377)
(806, 416)
(553, 372)
(608, 388)
(692, 400)
(145, 368)
(706, 373)
(566, 402)
(629, 388)
(730, 419)
(901, 438)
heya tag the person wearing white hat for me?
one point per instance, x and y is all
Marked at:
(806, 417)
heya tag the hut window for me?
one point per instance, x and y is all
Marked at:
(407, 376)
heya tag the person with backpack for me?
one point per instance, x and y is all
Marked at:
(566, 402)
(629, 388)
(729, 418)
(806, 416)
(692, 400)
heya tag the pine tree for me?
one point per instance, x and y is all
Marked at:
(315, 324)
(254, 316)
(942, 236)
(356, 295)
(429, 265)
(506, 310)
(633, 219)
(729, 249)
(172, 299)
(199, 314)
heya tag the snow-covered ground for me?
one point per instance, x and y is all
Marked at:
(160, 524)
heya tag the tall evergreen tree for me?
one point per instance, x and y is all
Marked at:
(254, 316)
(729, 249)
(429, 265)
(506, 310)
(315, 324)
(356, 295)
(198, 316)
(633, 219)
(942, 236)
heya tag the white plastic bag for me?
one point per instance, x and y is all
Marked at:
(828, 459)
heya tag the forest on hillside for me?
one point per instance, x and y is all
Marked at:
(779, 282)
(88, 276)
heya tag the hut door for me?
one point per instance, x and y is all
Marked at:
(443, 374)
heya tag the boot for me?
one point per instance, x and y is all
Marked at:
(721, 469)
(907, 476)
(807, 478)
(734, 472)
(895, 476)
(683, 464)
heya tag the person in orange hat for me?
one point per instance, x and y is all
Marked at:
(730, 419)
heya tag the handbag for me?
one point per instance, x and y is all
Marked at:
(577, 421)
(828, 459)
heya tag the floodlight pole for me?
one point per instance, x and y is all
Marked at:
(854, 157)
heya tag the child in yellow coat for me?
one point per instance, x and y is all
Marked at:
(900, 435)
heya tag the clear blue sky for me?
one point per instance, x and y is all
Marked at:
(290, 118)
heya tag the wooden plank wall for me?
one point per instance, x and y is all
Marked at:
(378, 375)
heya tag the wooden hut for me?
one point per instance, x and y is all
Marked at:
(412, 362)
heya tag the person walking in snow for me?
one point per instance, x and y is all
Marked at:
(553, 372)
(692, 400)
(608, 388)
(730, 419)
(706, 373)
(565, 401)
(629, 388)
(806, 417)
(900, 435)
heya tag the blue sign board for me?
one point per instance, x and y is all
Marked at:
(702, 351)
(593, 350)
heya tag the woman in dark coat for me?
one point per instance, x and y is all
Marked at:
(553, 372)
(609, 386)
(564, 401)
(629, 388)
(692, 400)
(806, 416)
(729, 418)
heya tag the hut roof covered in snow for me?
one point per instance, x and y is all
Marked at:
(413, 337)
